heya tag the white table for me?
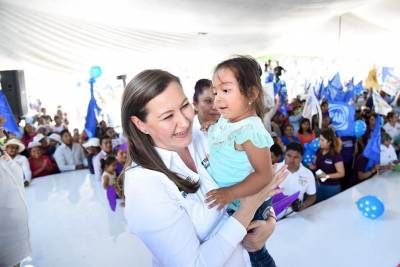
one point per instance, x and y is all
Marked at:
(72, 225)
(334, 233)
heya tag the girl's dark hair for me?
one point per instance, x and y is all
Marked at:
(247, 73)
(140, 90)
(335, 142)
(107, 161)
(199, 88)
(303, 120)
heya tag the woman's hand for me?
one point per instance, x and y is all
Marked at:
(258, 233)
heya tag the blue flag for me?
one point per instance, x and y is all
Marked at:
(342, 116)
(334, 90)
(91, 121)
(10, 125)
(373, 149)
(358, 89)
(269, 78)
(386, 71)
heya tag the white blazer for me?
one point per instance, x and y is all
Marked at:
(180, 230)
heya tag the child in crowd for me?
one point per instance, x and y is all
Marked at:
(108, 166)
(240, 158)
(40, 164)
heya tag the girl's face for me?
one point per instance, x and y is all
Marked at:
(229, 101)
(122, 156)
(205, 106)
(393, 119)
(387, 143)
(169, 119)
(111, 167)
(29, 128)
(325, 144)
(36, 152)
(305, 125)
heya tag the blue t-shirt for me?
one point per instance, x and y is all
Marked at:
(229, 166)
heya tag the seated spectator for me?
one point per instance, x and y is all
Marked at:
(42, 140)
(13, 147)
(305, 134)
(54, 142)
(122, 155)
(59, 126)
(106, 149)
(328, 165)
(360, 168)
(29, 133)
(92, 148)
(288, 136)
(276, 153)
(76, 136)
(392, 127)
(116, 141)
(69, 156)
(388, 158)
(299, 179)
(40, 164)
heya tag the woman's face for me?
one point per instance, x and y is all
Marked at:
(205, 106)
(169, 119)
(36, 152)
(29, 129)
(323, 142)
(372, 122)
(288, 131)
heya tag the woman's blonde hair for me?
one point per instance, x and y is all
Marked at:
(335, 142)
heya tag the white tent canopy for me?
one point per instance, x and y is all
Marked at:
(56, 42)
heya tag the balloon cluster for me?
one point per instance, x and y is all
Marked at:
(370, 206)
(359, 128)
(309, 151)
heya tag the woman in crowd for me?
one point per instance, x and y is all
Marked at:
(305, 134)
(288, 135)
(40, 164)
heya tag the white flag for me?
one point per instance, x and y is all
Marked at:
(268, 90)
(381, 107)
(391, 85)
(312, 107)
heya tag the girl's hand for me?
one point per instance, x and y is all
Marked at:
(219, 197)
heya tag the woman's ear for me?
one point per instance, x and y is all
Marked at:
(139, 124)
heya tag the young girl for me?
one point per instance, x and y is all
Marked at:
(108, 166)
(240, 159)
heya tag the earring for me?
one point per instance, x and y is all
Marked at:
(145, 132)
(250, 103)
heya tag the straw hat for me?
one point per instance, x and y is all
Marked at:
(34, 144)
(55, 137)
(93, 142)
(38, 137)
(14, 141)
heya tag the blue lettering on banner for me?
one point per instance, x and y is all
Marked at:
(328, 161)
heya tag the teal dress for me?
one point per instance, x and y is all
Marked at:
(229, 166)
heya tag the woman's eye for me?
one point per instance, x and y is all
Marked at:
(185, 105)
(225, 91)
(168, 117)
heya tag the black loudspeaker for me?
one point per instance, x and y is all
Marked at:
(13, 85)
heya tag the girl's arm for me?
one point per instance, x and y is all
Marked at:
(105, 181)
(260, 160)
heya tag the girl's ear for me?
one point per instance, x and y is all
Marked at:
(139, 124)
(254, 93)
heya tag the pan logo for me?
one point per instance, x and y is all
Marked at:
(340, 116)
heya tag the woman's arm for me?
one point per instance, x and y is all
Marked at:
(339, 174)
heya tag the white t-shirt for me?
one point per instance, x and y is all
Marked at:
(393, 131)
(302, 180)
(179, 229)
(388, 155)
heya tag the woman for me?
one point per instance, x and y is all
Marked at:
(29, 134)
(203, 102)
(166, 184)
(328, 165)
(305, 134)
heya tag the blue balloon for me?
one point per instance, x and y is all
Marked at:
(370, 206)
(359, 128)
(308, 157)
(95, 72)
(315, 144)
(307, 146)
